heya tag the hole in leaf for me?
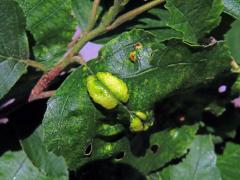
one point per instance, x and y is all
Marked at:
(88, 150)
(154, 148)
(120, 156)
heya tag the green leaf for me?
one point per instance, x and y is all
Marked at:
(16, 165)
(52, 26)
(69, 128)
(195, 18)
(229, 162)
(199, 164)
(164, 146)
(47, 162)
(13, 45)
(158, 71)
(177, 22)
(232, 39)
(82, 10)
(155, 21)
(232, 7)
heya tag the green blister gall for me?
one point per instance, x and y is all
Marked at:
(141, 115)
(107, 89)
(116, 86)
(100, 94)
(141, 121)
(136, 124)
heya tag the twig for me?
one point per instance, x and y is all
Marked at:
(132, 14)
(48, 77)
(79, 59)
(104, 27)
(28, 62)
(93, 18)
(35, 64)
(43, 95)
(75, 38)
(101, 29)
(43, 83)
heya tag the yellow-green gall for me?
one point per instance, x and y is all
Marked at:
(136, 124)
(141, 115)
(100, 94)
(107, 89)
(141, 121)
(115, 85)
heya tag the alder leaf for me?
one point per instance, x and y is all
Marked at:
(156, 72)
(13, 45)
(82, 10)
(229, 162)
(163, 147)
(52, 26)
(16, 165)
(200, 163)
(232, 40)
(47, 162)
(232, 7)
(195, 18)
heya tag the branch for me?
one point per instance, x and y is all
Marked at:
(28, 62)
(43, 95)
(35, 64)
(93, 18)
(79, 59)
(132, 14)
(101, 29)
(105, 26)
(43, 83)
(75, 38)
